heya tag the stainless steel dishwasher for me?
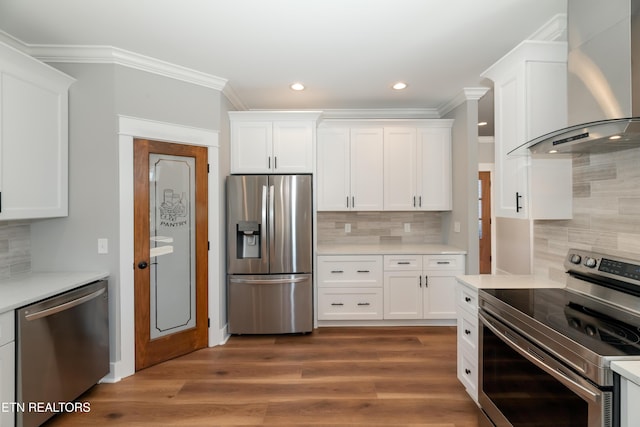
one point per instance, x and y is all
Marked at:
(62, 350)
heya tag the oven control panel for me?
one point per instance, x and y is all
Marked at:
(606, 266)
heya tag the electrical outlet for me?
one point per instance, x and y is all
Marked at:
(347, 228)
(407, 227)
(456, 227)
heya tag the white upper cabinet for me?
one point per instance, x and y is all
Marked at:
(350, 168)
(417, 167)
(272, 142)
(530, 86)
(33, 137)
(366, 169)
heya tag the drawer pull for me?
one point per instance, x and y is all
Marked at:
(337, 271)
(467, 371)
(404, 262)
(363, 303)
(443, 262)
(364, 271)
(467, 299)
(337, 304)
(468, 332)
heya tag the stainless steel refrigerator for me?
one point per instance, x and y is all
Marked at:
(269, 254)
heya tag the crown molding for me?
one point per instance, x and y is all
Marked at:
(114, 55)
(381, 113)
(85, 54)
(555, 29)
(466, 94)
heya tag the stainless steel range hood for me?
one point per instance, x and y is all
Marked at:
(603, 85)
(593, 137)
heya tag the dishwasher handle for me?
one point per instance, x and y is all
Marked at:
(65, 306)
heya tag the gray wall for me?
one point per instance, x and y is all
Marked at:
(465, 184)
(100, 93)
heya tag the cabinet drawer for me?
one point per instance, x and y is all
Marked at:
(468, 373)
(351, 271)
(446, 263)
(468, 331)
(350, 304)
(7, 327)
(402, 262)
(467, 299)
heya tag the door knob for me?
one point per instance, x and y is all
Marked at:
(142, 265)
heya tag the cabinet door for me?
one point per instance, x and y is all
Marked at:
(251, 147)
(367, 169)
(293, 147)
(402, 295)
(439, 297)
(34, 138)
(333, 169)
(400, 169)
(7, 382)
(511, 172)
(434, 171)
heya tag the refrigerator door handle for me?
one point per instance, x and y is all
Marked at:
(267, 281)
(264, 217)
(271, 222)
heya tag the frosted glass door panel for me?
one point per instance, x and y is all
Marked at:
(172, 244)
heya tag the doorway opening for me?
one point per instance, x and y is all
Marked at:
(484, 221)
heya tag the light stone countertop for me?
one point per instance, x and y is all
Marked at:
(25, 289)
(505, 281)
(389, 249)
(630, 370)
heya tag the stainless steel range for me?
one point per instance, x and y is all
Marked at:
(545, 354)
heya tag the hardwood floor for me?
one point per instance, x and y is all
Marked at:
(332, 377)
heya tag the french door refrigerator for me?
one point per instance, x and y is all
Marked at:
(269, 254)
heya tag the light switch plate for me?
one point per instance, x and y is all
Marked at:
(103, 246)
(407, 227)
(347, 228)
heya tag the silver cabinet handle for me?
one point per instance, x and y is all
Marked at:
(363, 303)
(363, 271)
(62, 307)
(337, 304)
(337, 271)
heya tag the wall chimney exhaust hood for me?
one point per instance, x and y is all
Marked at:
(603, 81)
(594, 137)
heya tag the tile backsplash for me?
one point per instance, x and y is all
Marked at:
(379, 227)
(15, 248)
(606, 212)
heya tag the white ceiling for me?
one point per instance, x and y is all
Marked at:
(347, 52)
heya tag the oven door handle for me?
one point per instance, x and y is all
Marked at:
(555, 373)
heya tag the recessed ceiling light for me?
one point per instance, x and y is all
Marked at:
(615, 137)
(553, 151)
(482, 124)
(399, 86)
(297, 86)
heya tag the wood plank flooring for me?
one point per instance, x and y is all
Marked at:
(400, 376)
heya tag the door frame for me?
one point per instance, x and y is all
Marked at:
(128, 129)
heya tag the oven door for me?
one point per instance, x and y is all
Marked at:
(523, 385)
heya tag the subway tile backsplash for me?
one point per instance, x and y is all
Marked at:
(379, 227)
(15, 248)
(606, 206)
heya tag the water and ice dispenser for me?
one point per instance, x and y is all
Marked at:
(248, 239)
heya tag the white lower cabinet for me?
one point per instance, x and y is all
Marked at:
(467, 309)
(7, 367)
(421, 286)
(349, 287)
(629, 409)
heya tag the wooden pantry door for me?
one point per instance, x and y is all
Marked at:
(170, 250)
